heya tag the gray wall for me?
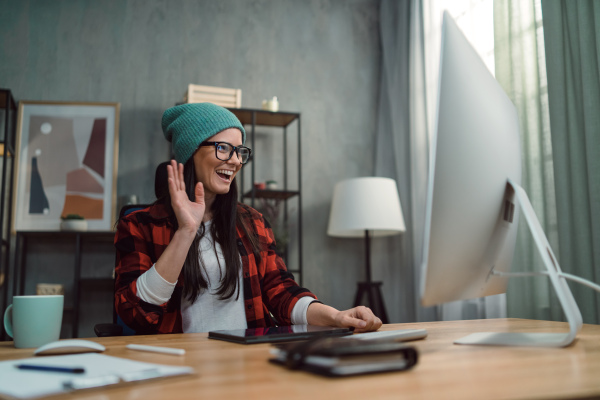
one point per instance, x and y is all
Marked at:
(320, 58)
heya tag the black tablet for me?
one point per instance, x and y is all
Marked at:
(277, 334)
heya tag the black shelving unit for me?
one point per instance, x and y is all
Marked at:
(7, 152)
(252, 118)
(78, 238)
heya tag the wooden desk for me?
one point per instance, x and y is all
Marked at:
(445, 370)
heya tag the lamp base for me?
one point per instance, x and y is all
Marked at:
(373, 300)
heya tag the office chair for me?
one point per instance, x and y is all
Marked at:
(161, 188)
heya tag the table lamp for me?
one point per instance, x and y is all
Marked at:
(366, 207)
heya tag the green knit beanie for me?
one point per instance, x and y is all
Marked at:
(188, 125)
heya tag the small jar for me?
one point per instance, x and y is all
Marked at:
(271, 185)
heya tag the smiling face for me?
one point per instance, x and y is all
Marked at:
(217, 175)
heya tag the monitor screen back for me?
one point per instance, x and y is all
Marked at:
(471, 217)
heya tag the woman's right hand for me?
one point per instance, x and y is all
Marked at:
(189, 213)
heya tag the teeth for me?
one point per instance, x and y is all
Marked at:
(225, 172)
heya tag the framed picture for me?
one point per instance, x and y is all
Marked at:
(66, 164)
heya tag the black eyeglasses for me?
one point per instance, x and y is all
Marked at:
(224, 151)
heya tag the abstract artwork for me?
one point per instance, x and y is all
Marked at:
(67, 164)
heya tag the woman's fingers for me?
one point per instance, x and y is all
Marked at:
(170, 171)
(175, 172)
(171, 180)
(181, 180)
(189, 214)
(361, 318)
(372, 322)
(199, 192)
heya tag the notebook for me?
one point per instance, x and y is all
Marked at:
(277, 334)
(337, 357)
(99, 371)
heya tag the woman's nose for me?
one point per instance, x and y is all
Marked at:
(235, 159)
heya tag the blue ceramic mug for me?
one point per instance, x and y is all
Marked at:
(33, 321)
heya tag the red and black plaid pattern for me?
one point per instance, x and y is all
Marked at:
(141, 238)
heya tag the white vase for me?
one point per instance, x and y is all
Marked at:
(73, 225)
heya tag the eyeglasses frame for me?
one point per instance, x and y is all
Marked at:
(233, 149)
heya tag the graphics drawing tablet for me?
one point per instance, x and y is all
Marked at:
(277, 334)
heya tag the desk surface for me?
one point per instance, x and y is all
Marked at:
(445, 370)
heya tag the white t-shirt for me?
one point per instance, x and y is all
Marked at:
(208, 312)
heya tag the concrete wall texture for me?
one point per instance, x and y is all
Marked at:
(321, 58)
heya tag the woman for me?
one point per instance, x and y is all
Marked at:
(198, 260)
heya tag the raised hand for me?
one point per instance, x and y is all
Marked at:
(189, 213)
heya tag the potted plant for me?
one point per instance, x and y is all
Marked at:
(73, 222)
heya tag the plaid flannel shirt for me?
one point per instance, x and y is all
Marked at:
(143, 235)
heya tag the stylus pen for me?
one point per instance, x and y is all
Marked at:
(156, 349)
(51, 368)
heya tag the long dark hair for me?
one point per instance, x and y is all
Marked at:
(223, 231)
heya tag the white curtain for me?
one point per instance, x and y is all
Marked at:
(410, 34)
(572, 37)
(393, 159)
(521, 70)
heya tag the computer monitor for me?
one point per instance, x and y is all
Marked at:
(474, 196)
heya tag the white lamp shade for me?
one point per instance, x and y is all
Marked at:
(361, 204)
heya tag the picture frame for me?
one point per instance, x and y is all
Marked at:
(67, 155)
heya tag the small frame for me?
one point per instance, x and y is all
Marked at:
(67, 156)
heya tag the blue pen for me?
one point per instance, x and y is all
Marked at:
(51, 368)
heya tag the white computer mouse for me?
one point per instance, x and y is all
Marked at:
(69, 346)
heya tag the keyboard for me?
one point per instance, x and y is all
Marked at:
(398, 335)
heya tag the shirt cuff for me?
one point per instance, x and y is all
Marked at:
(298, 316)
(153, 288)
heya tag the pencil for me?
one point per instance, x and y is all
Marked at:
(156, 349)
(51, 368)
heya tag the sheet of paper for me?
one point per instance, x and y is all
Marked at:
(27, 384)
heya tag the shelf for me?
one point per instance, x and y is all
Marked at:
(8, 113)
(4, 98)
(279, 119)
(263, 117)
(101, 281)
(271, 194)
(105, 235)
(10, 150)
(80, 284)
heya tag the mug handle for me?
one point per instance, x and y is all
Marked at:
(8, 321)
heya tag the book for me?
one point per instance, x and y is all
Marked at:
(345, 357)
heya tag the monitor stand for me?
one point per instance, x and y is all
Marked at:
(559, 283)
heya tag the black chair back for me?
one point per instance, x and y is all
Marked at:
(161, 188)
